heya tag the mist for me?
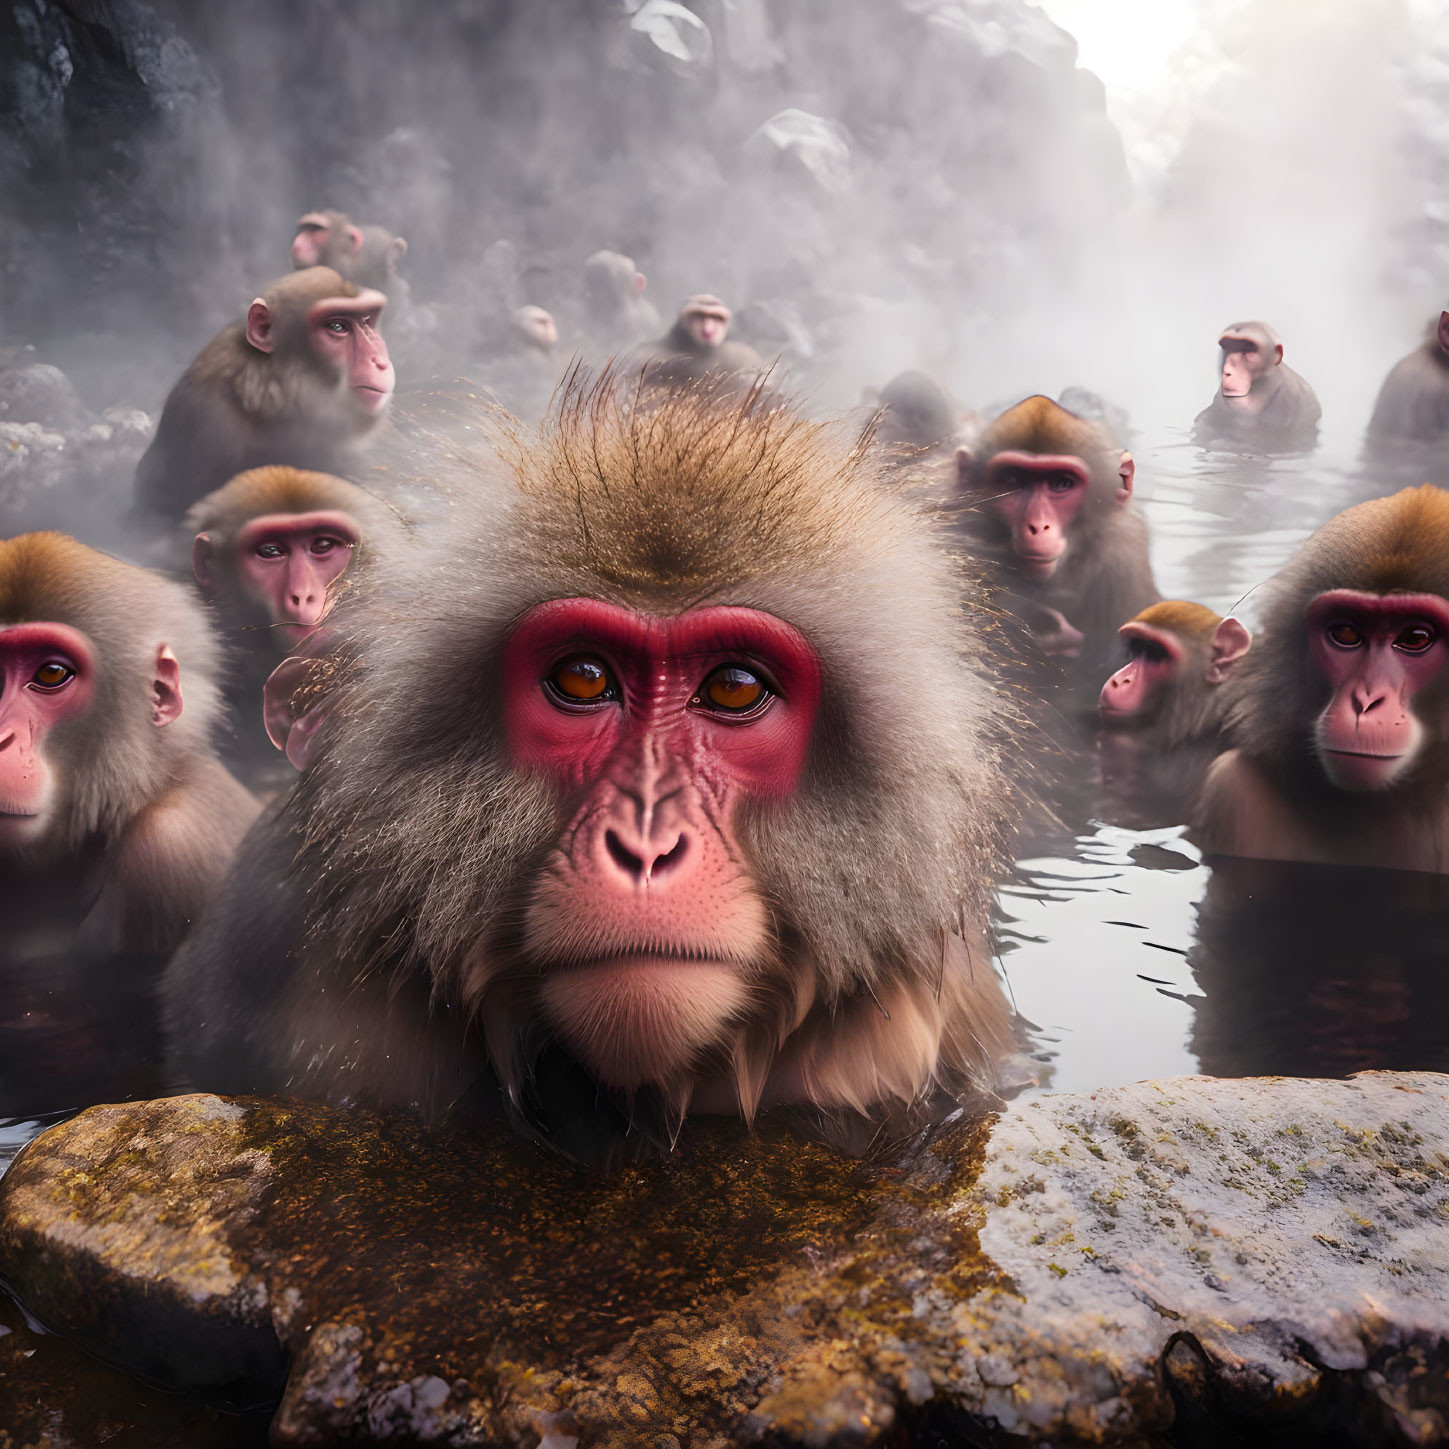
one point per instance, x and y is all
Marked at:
(913, 184)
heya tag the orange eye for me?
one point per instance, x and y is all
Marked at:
(733, 688)
(583, 680)
(53, 675)
(1345, 636)
(1415, 639)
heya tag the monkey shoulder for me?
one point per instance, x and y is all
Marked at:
(171, 856)
(1240, 811)
(1414, 399)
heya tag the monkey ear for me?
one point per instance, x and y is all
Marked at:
(963, 465)
(259, 326)
(1231, 641)
(203, 550)
(354, 239)
(640, 282)
(165, 688)
(397, 250)
(1126, 472)
(1444, 331)
(1277, 354)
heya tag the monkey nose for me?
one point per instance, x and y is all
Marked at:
(642, 863)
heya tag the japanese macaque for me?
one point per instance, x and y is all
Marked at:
(115, 818)
(1413, 404)
(305, 379)
(526, 367)
(272, 552)
(676, 772)
(1046, 497)
(1342, 712)
(1163, 713)
(617, 313)
(366, 256)
(1170, 692)
(696, 347)
(1262, 405)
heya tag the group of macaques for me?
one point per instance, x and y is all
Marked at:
(671, 772)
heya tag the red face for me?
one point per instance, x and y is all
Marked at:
(1133, 694)
(1377, 651)
(288, 562)
(645, 923)
(344, 334)
(46, 676)
(1036, 496)
(707, 329)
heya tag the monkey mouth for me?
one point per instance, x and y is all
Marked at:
(1038, 568)
(374, 399)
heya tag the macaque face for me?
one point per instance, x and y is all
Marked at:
(287, 564)
(47, 676)
(1134, 695)
(344, 335)
(1377, 652)
(1245, 361)
(706, 328)
(538, 328)
(645, 922)
(1036, 497)
(310, 247)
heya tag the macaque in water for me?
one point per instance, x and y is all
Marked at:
(271, 553)
(1413, 404)
(917, 415)
(304, 380)
(617, 313)
(697, 347)
(1164, 712)
(366, 256)
(677, 772)
(116, 820)
(1341, 717)
(1262, 405)
(1046, 499)
(526, 367)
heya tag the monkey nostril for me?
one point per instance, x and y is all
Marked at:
(7, 739)
(622, 856)
(670, 858)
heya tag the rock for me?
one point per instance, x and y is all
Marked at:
(35, 392)
(1086, 1269)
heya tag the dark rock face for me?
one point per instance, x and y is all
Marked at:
(1086, 1269)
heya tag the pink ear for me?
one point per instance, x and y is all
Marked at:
(165, 688)
(1277, 354)
(202, 552)
(259, 326)
(640, 282)
(354, 239)
(963, 465)
(1231, 641)
(1444, 331)
(1126, 472)
(398, 249)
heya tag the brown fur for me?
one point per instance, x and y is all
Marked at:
(149, 816)
(1270, 796)
(1106, 576)
(236, 408)
(1413, 403)
(410, 849)
(1286, 422)
(375, 265)
(1189, 710)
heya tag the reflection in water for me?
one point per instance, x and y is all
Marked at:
(1320, 971)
